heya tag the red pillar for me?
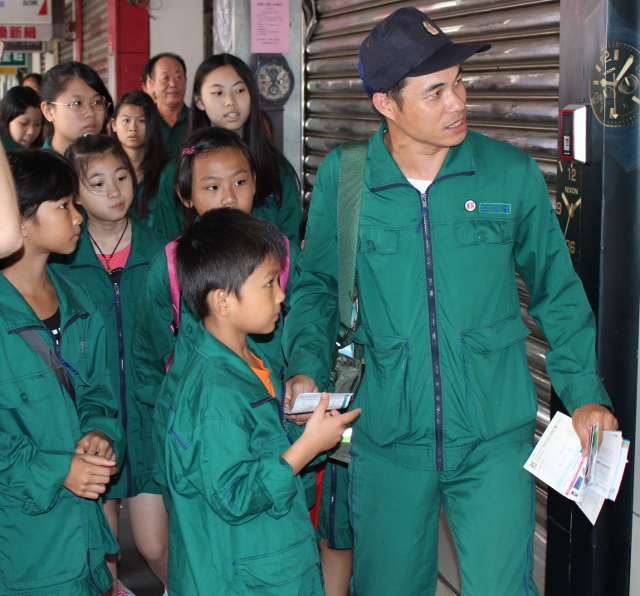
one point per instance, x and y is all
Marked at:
(128, 29)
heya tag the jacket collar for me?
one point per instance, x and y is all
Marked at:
(228, 360)
(17, 313)
(387, 173)
(143, 249)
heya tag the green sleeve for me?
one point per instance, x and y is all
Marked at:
(30, 475)
(294, 255)
(311, 327)
(95, 400)
(290, 212)
(558, 303)
(153, 340)
(167, 214)
(237, 482)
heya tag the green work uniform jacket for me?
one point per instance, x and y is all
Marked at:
(165, 213)
(239, 519)
(115, 296)
(288, 217)
(10, 144)
(440, 322)
(51, 541)
(174, 135)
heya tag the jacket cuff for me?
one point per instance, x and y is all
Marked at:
(582, 391)
(310, 366)
(47, 473)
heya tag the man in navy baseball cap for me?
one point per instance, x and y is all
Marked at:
(449, 408)
(408, 44)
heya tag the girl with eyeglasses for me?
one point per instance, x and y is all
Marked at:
(76, 102)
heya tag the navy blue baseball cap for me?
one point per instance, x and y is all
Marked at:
(408, 44)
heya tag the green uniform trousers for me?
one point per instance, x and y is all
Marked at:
(489, 502)
(334, 523)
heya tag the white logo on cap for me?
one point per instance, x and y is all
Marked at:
(470, 205)
(430, 28)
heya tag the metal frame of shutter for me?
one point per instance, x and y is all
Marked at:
(65, 48)
(95, 37)
(512, 96)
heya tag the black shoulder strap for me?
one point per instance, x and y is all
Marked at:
(350, 188)
(32, 337)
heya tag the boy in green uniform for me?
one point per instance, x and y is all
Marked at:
(239, 516)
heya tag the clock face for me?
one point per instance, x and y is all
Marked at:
(568, 202)
(275, 82)
(615, 84)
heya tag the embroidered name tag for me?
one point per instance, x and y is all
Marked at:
(504, 208)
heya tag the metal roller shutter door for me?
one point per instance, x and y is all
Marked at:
(65, 49)
(512, 96)
(94, 37)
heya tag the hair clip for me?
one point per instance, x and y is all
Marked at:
(188, 150)
(88, 134)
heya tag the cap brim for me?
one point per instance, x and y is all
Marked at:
(449, 56)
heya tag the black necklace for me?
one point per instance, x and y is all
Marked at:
(108, 259)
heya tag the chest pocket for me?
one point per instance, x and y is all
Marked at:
(482, 231)
(377, 240)
(17, 393)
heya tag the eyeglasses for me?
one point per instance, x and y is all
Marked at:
(98, 105)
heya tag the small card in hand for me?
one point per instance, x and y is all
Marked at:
(308, 402)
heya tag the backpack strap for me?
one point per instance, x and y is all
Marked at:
(350, 188)
(32, 337)
(174, 287)
(284, 270)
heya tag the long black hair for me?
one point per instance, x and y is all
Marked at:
(254, 133)
(57, 78)
(156, 154)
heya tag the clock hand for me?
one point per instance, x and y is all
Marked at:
(566, 228)
(565, 200)
(572, 209)
(624, 69)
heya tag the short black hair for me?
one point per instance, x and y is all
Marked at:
(221, 251)
(33, 75)
(146, 73)
(15, 102)
(41, 175)
(148, 68)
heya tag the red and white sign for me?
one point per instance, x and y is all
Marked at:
(26, 32)
(25, 20)
(25, 12)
